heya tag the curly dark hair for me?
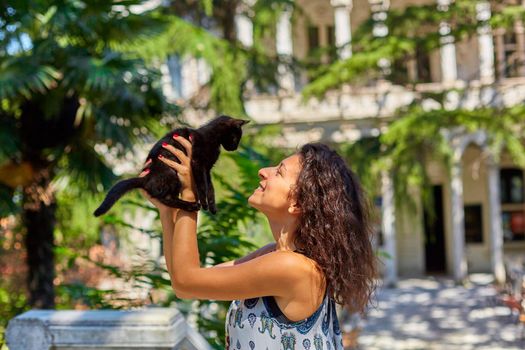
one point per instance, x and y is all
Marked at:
(334, 227)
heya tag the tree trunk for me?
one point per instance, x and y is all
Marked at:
(39, 208)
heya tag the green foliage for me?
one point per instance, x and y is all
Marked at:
(363, 158)
(106, 58)
(416, 136)
(13, 298)
(227, 65)
(413, 27)
(229, 234)
(12, 302)
(63, 56)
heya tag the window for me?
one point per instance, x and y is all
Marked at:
(510, 54)
(473, 224)
(512, 204)
(511, 182)
(423, 65)
(513, 225)
(313, 39)
(332, 49)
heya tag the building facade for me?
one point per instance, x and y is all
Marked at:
(479, 202)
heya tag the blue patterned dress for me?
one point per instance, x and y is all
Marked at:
(258, 323)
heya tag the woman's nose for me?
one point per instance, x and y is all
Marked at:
(262, 173)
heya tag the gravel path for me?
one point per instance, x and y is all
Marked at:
(433, 313)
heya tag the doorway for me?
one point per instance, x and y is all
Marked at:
(435, 258)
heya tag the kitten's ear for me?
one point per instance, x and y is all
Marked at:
(241, 122)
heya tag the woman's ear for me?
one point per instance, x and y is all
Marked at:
(294, 209)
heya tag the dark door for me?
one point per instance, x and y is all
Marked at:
(435, 260)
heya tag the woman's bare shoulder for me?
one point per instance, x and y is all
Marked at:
(312, 274)
(309, 291)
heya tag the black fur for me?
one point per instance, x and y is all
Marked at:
(162, 182)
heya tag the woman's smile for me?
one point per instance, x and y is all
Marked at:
(272, 196)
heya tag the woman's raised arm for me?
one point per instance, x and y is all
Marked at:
(270, 247)
(277, 273)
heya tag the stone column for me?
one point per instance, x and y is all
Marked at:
(284, 46)
(243, 24)
(457, 213)
(496, 226)
(379, 10)
(389, 229)
(343, 30)
(448, 49)
(485, 43)
(244, 27)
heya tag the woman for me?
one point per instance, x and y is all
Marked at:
(284, 293)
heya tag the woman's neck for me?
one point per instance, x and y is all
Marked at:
(284, 233)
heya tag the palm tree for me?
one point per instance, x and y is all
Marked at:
(76, 74)
(63, 89)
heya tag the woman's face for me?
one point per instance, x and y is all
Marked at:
(271, 197)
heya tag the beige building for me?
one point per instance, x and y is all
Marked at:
(479, 204)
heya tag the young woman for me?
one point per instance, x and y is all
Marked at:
(283, 294)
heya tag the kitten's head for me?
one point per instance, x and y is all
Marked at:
(233, 132)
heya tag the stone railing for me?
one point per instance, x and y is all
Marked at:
(379, 101)
(149, 329)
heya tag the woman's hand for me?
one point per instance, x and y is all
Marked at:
(155, 202)
(184, 168)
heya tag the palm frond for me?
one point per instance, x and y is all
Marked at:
(86, 168)
(23, 77)
(182, 38)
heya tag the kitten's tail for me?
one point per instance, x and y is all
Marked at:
(118, 191)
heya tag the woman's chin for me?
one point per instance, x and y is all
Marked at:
(252, 201)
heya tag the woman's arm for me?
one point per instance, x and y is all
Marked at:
(270, 247)
(166, 218)
(276, 273)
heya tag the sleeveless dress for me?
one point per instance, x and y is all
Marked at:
(258, 323)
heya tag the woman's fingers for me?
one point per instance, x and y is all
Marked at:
(184, 159)
(185, 143)
(144, 172)
(148, 162)
(179, 167)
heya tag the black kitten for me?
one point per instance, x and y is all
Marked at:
(162, 182)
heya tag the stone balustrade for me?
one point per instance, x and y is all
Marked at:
(148, 329)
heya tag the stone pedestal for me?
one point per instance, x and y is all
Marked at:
(148, 329)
